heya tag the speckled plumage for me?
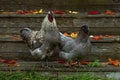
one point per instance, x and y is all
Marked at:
(43, 42)
(72, 48)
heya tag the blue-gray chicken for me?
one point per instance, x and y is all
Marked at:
(42, 43)
(72, 48)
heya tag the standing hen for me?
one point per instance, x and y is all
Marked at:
(72, 48)
(42, 43)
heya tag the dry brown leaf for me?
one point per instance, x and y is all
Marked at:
(84, 62)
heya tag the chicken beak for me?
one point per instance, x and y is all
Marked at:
(50, 16)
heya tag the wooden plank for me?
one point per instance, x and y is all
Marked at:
(22, 47)
(117, 15)
(88, 57)
(93, 30)
(105, 39)
(67, 15)
(36, 15)
(99, 24)
(13, 25)
(56, 67)
(101, 51)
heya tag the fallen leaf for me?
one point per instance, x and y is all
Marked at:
(66, 34)
(61, 61)
(94, 12)
(10, 61)
(98, 37)
(73, 63)
(84, 62)
(20, 12)
(40, 11)
(73, 12)
(74, 35)
(114, 62)
(59, 12)
(110, 12)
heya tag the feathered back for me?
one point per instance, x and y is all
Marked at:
(73, 48)
(29, 37)
(43, 42)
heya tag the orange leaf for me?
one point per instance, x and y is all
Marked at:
(114, 62)
(66, 34)
(85, 62)
(97, 37)
(109, 12)
(59, 12)
(74, 34)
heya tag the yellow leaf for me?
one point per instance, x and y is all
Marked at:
(74, 35)
(40, 11)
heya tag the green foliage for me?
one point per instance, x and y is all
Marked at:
(31, 75)
(82, 77)
(96, 63)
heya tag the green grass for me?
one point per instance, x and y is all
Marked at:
(19, 75)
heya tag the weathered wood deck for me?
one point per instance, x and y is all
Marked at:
(57, 67)
(101, 49)
(10, 25)
(15, 48)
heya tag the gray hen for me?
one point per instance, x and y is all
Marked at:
(72, 48)
(42, 43)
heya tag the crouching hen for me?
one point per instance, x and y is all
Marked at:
(42, 43)
(72, 48)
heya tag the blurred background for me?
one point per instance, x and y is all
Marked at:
(78, 5)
